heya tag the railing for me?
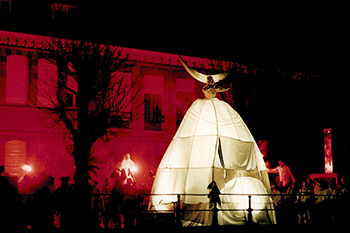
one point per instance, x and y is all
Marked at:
(133, 211)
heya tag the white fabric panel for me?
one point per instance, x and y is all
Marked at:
(168, 186)
(211, 117)
(202, 152)
(243, 186)
(219, 177)
(206, 121)
(238, 155)
(177, 154)
(189, 123)
(197, 186)
(192, 161)
(232, 125)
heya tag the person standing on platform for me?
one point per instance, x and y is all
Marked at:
(284, 173)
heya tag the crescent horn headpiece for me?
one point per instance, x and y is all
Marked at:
(203, 77)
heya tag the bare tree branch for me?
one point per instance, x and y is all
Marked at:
(96, 77)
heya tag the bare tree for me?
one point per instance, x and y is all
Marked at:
(93, 97)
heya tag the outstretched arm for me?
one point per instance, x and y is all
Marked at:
(223, 88)
(274, 170)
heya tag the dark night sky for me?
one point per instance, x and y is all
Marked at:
(309, 37)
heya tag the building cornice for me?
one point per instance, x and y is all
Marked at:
(31, 41)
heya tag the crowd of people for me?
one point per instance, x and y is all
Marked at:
(311, 201)
(321, 200)
(40, 205)
(119, 203)
(116, 205)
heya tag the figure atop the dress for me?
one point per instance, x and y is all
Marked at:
(212, 86)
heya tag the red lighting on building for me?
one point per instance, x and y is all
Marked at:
(27, 84)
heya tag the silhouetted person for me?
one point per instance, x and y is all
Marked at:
(8, 203)
(95, 204)
(44, 210)
(117, 198)
(105, 197)
(303, 201)
(63, 196)
(128, 210)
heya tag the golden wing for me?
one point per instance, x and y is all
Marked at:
(203, 77)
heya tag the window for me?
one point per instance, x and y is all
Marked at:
(15, 155)
(47, 83)
(153, 107)
(121, 89)
(153, 112)
(17, 80)
(61, 11)
(184, 98)
(2, 79)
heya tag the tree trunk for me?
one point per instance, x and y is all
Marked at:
(82, 190)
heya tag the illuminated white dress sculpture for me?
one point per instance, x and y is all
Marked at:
(213, 143)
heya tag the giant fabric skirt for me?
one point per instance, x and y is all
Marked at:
(213, 143)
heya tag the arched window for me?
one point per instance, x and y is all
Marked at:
(15, 155)
(47, 83)
(17, 80)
